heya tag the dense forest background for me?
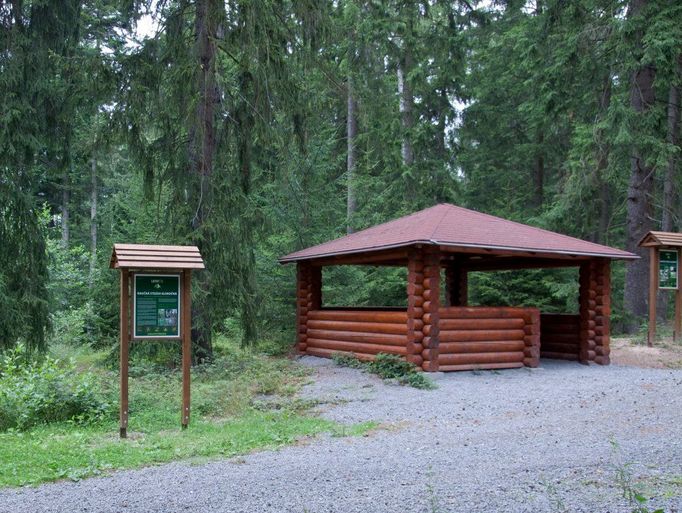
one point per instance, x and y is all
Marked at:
(255, 128)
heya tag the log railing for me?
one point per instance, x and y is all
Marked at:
(488, 338)
(560, 338)
(364, 333)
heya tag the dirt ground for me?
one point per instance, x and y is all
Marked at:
(665, 354)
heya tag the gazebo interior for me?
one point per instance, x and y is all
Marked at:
(449, 335)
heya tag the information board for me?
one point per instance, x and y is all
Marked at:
(668, 269)
(156, 312)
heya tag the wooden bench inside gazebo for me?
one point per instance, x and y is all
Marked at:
(454, 336)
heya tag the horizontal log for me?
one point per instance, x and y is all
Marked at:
(355, 347)
(559, 318)
(415, 359)
(485, 312)
(369, 327)
(483, 366)
(531, 352)
(602, 360)
(562, 338)
(481, 347)
(359, 336)
(471, 335)
(560, 348)
(328, 353)
(480, 358)
(532, 362)
(358, 316)
(559, 356)
(481, 324)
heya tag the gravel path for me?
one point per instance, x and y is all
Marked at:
(509, 441)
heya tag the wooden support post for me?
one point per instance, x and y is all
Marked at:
(653, 291)
(302, 304)
(415, 307)
(677, 331)
(186, 329)
(125, 341)
(431, 307)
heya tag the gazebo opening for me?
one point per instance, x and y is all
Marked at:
(437, 328)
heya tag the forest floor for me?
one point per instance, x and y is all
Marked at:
(664, 354)
(562, 438)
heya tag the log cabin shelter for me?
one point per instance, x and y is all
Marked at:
(449, 335)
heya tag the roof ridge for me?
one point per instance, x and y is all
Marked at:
(519, 223)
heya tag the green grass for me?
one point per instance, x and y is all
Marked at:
(242, 403)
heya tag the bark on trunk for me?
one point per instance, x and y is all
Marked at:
(603, 153)
(93, 221)
(202, 146)
(66, 199)
(640, 189)
(669, 192)
(351, 161)
(406, 108)
(539, 173)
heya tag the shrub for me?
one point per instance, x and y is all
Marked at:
(388, 366)
(35, 392)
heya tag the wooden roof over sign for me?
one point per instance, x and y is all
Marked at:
(145, 256)
(660, 239)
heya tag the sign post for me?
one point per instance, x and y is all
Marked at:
(664, 270)
(158, 307)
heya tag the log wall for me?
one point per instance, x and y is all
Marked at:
(560, 338)
(595, 311)
(488, 338)
(363, 333)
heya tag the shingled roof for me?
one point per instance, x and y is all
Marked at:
(145, 256)
(672, 239)
(450, 225)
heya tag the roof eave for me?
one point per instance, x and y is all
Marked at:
(614, 256)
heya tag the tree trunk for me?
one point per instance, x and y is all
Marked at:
(66, 199)
(93, 221)
(351, 161)
(669, 192)
(539, 172)
(603, 153)
(202, 150)
(406, 108)
(640, 189)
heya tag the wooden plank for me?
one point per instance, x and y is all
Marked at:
(154, 247)
(358, 316)
(186, 327)
(141, 264)
(480, 335)
(358, 336)
(483, 312)
(480, 366)
(355, 347)
(653, 290)
(480, 358)
(124, 341)
(481, 324)
(499, 346)
(370, 327)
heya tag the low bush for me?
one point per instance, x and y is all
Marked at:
(388, 366)
(41, 391)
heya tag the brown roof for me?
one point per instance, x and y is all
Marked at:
(661, 239)
(143, 256)
(450, 225)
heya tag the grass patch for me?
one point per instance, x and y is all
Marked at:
(388, 367)
(242, 402)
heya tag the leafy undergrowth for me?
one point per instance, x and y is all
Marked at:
(388, 367)
(243, 402)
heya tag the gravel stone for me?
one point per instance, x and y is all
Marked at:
(510, 441)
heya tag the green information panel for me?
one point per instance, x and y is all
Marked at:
(667, 269)
(157, 306)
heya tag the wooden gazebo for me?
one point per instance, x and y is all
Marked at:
(454, 336)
